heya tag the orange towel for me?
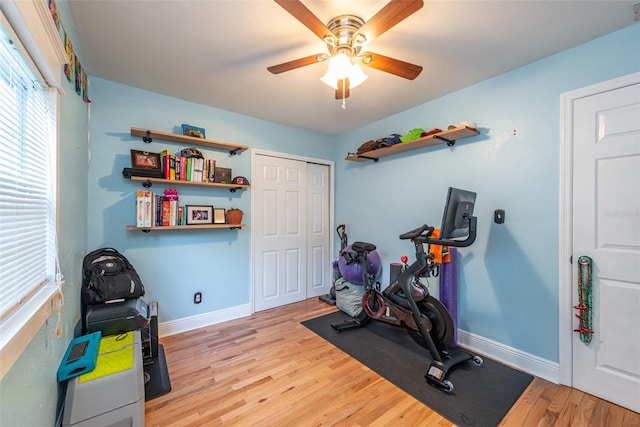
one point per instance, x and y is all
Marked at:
(440, 253)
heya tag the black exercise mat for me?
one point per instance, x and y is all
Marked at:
(482, 395)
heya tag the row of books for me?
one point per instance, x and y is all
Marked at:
(194, 169)
(159, 210)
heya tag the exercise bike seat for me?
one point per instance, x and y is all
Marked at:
(363, 247)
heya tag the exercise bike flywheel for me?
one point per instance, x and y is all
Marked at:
(442, 330)
(373, 305)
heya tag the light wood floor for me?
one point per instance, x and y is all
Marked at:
(269, 370)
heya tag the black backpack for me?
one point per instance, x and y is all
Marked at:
(108, 275)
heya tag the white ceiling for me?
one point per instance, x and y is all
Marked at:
(215, 52)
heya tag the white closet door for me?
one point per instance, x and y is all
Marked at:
(279, 219)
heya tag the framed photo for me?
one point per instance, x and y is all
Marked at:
(219, 216)
(193, 131)
(199, 214)
(145, 160)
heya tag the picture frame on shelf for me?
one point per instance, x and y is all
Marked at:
(219, 216)
(193, 131)
(145, 160)
(198, 214)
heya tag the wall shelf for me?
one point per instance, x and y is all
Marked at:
(185, 227)
(449, 136)
(148, 136)
(147, 182)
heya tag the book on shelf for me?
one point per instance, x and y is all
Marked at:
(168, 164)
(140, 208)
(197, 173)
(211, 167)
(157, 222)
(147, 208)
(183, 168)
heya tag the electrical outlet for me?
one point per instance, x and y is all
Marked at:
(197, 298)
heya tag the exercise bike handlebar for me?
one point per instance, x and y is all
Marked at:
(422, 235)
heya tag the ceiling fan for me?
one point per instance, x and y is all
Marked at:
(345, 37)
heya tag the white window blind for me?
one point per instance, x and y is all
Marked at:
(27, 178)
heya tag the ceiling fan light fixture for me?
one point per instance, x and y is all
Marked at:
(356, 76)
(339, 68)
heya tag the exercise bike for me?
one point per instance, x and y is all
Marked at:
(407, 302)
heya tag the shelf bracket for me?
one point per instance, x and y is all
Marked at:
(147, 184)
(450, 142)
(375, 160)
(146, 230)
(148, 139)
(233, 190)
(234, 151)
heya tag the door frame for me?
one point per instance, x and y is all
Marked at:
(331, 164)
(565, 222)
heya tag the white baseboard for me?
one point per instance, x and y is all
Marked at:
(201, 320)
(510, 356)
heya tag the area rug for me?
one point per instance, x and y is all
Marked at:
(482, 395)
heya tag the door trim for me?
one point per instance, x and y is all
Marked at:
(565, 220)
(331, 164)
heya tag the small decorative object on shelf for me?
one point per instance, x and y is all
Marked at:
(145, 160)
(240, 180)
(234, 216)
(193, 131)
(199, 214)
(222, 175)
(219, 216)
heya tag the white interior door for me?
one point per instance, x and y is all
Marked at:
(606, 227)
(280, 227)
(318, 236)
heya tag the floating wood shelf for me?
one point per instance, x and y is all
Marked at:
(449, 136)
(146, 182)
(148, 135)
(185, 227)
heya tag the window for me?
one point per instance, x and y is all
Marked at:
(27, 197)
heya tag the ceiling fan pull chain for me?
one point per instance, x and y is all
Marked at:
(344, 90)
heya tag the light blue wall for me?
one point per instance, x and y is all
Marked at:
(508, 289)
(29, 392)
(176, 264)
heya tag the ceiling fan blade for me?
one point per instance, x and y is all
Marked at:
(306, 17)
(343, 84)
(391, 65)
(296, 63)
(393, 13)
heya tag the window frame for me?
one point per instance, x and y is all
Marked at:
(32, 29)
